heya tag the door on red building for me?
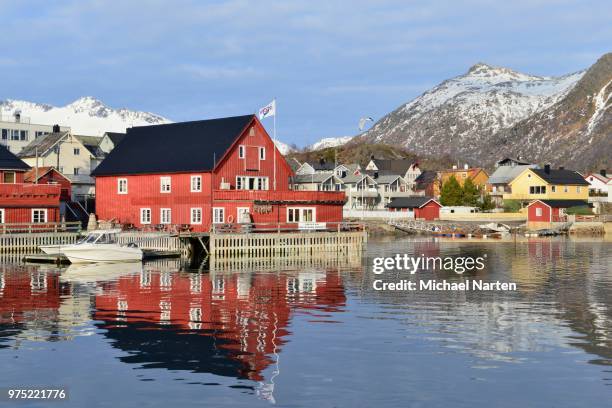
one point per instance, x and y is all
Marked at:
(252, 158)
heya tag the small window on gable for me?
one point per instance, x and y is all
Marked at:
(262, 153)
(252, 131)
(122, 186)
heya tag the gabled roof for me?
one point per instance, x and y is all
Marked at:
(174, 147)
(356, 178)
(321, 165)
(562, 203)
(509, 161)
(42, 144)
(388, 178)
(561, 177)
(599, 177)
(294, 164)
(115, 137)
(8, 161)
(30, 175)
(397, 166)
(425, 178)
(505, 174)
(411, 202)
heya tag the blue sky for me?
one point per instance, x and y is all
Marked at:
(327, 62)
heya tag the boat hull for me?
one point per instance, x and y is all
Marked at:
(102, 253)
(52, 249)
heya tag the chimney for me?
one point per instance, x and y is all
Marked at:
(603, 172)
(56, 128)
(547, 168)
(372, 157)
(466, 166)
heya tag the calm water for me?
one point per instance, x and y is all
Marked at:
(317, 334)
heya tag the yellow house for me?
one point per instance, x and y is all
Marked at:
(548, 184)
(478, 175)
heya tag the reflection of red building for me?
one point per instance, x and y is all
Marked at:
(242, 318)
(27, 294)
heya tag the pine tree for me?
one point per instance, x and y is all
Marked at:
(470, 194)
(487, 202)
(451, 193)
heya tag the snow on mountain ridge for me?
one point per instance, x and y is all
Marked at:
(86, 115)
(330, 142)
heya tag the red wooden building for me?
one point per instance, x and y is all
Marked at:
(424, 208)
(542, 213)
(201, 173)
(23, 202)
(49, 175)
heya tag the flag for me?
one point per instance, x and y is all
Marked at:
(268, 110)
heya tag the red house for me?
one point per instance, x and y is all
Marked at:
(22, 202)
(543, 213)
(424, 208)
(49, 175)
(195, 174)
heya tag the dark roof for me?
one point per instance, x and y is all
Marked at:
(561, 177)
(321, 165)
(425, 178)
(115, 137)
(8, 161)
(410, 202)
(396, 166)
(42, 144)
(506, 161)
(563, 203)
(173, 147)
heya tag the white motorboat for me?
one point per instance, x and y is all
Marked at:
(57, 249)
(101, 246)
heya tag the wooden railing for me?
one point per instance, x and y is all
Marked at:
(286, 227)
(270, 195)
(29, 228)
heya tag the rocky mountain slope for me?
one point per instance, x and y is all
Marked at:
(329, 142)
(86, 116)
(491, 111)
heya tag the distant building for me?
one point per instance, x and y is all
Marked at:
(407, 169)
(547, 184)
(313, 167)
(17, 131)
(478, 176)
(420, 208)
(599, 183)
(109, 141)
(426, 183)
(506, 170)
(546, 213)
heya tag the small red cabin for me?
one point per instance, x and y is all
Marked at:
(542, 213)
(423, 208)
(23, 202)
(49, 175)
(196, 174)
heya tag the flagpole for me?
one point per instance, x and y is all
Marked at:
(274, 151)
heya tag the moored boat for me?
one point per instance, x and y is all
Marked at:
(102, 246)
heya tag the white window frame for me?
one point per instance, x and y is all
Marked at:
(241, 152)
(553, 189)
(578, 189)
(2, 215)
(216, 218)
(165, 213)
(165, 184)
(241, 209)
(44, 212)
(143, 220)
(262, 153)
(242, 183)
(538, 212)
(301, 211)
(14, 177)
(197, 220)
(198, 188)
(76, 151)
(119, 189)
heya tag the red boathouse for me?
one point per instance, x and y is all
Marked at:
(22, 202)
(544, 213)
(423, 208)
(196, 174)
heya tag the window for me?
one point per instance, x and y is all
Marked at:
(145, 215)
(76, 171)
(9, 177)
(14, 134)
(243, 214)
(241, 152)
(251, 183)
(122, 187)
(537, 189)
(196, 215)
(5, 133)
(1, 215)
(553, 189)
(538, 212)
(165, 216)
(23, 135)
(262, 153)
(578, 189)
(165, 184)
(218, 215)
(39, 215)
(196, 184)
(76, 151)
(300, 214)
(565, 190)
(252, 131)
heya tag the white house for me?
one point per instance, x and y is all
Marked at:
(598, 183)
(406, 168)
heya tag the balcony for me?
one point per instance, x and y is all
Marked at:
(367, 192)
(280, 196)
(398, 193)
(28, 195)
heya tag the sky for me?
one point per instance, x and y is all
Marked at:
(327, 63)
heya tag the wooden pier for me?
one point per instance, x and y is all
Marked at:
(20, 238)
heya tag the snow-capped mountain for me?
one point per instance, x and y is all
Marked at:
(464, 116)
(330, 142)
(283, 148)
(85, 116)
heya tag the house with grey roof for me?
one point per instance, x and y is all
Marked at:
(406, 168)
(317, 182)
(506, 171)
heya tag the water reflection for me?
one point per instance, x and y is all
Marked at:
(237, 326)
